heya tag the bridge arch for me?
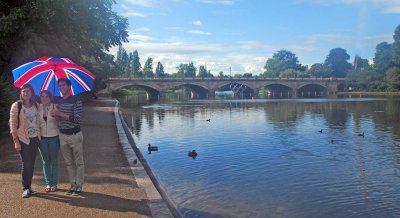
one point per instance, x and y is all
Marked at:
(277, 90)
(197, 91)
(312, 90)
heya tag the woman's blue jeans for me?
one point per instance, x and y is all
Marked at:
(49, 148)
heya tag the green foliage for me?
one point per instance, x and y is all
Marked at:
(247, 75)
(337, 62)
(383, 59)
(186, 70)
(290, 73)
(221, 74)
(281, 61)
(135, 65)
(203, 72)
(7, 96)
(319, 70)
(122, 61)
(396, 35)
(365, 80)
(160, 70)
(393, 78)
(148, 68)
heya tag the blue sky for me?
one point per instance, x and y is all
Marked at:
(243, 34)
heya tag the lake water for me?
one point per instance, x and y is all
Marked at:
(267, 158)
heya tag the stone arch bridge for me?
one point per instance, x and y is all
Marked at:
(204, 87)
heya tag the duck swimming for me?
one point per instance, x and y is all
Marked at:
(208, 120)
(361, 134)
(320, 131)
(152, 148)
(192, 154)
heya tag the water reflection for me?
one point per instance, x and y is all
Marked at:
(266, 158)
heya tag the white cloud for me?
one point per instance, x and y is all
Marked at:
(386, 6)
(197, 23)
(225, 2)
(132, 14)
(198, 32)
(139, 37)
(143, 3)
(217, 56)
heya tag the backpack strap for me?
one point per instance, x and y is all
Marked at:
(19, 111)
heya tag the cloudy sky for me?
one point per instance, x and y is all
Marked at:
(242, 34)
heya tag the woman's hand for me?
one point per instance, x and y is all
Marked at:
(17, 145)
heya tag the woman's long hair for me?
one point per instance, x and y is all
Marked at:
(32, 100)
(48, 93)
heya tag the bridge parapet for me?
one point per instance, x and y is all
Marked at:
(208, 84)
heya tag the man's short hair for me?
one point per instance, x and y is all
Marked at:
(64, 80)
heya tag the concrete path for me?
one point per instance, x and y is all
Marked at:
(110, 190)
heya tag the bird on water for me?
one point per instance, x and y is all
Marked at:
(192, 154)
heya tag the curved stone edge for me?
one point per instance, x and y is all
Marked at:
(159, 203)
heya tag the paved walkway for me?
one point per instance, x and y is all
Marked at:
(111, 189)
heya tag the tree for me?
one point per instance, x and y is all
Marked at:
(186, 70)
(393, 78)
(202, 71)
(136, 66)
(148, 68)
(396, 35)
(221, 74)
(360, 63)
(290, 73)
(383, 60)
(160, 70)
(122, 61)
(80, 30)
(248, 75)
(281, 61)
(319, 70)
(337, 62)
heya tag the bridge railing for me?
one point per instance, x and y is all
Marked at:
(222, 78)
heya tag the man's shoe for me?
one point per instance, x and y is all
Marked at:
(25, 193)
(70, 190)
(77, 191)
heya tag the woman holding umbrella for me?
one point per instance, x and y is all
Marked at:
(25, 130)
(50, 143)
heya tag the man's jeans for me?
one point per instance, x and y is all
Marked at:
(28, 157)
(49, 149)
(72, 151)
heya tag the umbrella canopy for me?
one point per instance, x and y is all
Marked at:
(44, 73)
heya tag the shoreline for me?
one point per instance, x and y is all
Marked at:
(370, 93)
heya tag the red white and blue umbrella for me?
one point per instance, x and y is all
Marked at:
(44, 73)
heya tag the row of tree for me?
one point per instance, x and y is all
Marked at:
(128, 64)
(382, 75)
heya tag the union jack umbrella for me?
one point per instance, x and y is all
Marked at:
(44, 73)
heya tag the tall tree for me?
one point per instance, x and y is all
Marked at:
(337, 62)
(136, 66)
(160, 70)
(383, 57)
(393, 78)
(280, 61)
(122, 61)
(319, 70)
(186, 70)
(148, 68)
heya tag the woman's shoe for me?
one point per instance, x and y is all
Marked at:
(47, 188)
(53, 188)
